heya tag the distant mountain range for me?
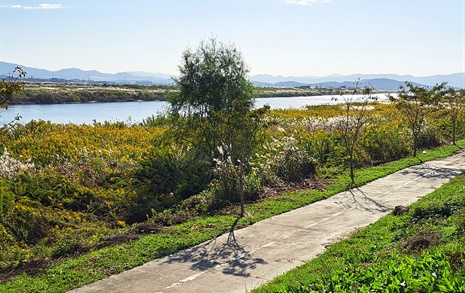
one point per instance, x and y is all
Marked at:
(378, 81)
(75, 74)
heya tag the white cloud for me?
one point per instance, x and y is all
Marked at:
(306, 2)
(41, 6)
(50, 6)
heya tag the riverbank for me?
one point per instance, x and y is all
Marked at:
(70, 93)
(73, 93)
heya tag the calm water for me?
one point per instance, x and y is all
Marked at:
(132, 111)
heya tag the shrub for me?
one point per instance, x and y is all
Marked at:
(163, 178)
(295, 165)
(429, 137)
(284, 161)
(383, 142)
(320, 145)
(27, 222)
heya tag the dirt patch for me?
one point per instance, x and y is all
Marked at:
(419, 243)
(399, 210)
(35, 267)
(283, 187)
(146, 228)
(32, 268)
(456, 260)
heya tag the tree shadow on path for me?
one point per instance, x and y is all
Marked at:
(377, 205)
(223, 253)
(430, 171)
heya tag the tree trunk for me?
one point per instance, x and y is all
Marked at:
(241, 189)
(415, 143)
(351, 167)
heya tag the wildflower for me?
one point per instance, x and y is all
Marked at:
(10, 167)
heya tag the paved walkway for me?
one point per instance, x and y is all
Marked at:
(276, 245)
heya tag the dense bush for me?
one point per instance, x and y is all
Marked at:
(383, 142)
(161, 181)
(294, 166)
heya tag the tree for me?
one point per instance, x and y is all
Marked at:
(352, 122)
(214, 111)
(417, 103)
(10, 85)
(454, 102)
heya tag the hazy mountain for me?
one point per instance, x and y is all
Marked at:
(150, 74)
(378, 81)
(88, 75)
(382, 80)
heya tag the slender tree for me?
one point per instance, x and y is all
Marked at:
(214, 111)
(417, 103)
(454, 103)
(353, 119)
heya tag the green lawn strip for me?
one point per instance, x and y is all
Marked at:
(383, 258)
(96, 265)
(75, 272)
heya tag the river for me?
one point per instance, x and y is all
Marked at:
(135, 111)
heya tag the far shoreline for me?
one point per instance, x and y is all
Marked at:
(71, 93)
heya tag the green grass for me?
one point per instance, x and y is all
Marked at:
(75, 272)
(386, 256)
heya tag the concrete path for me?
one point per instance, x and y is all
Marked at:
(271, 247)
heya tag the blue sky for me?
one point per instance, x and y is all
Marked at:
(277, 37)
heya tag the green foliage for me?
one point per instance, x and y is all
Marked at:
(294, 166)
(215, 101)
(163, 178)
(8, 87)
(430, 272)
(383, 141)
(321, 145)
(416, 104)
(214, 110)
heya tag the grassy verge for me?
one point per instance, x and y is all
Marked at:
(75, 272)
(419, 251)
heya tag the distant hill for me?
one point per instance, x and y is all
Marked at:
(378, 81)
(88, 75)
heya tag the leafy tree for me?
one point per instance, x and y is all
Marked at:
(11, 85)
(353, 120)
(454, 102)
(214, 111)
(417, 103)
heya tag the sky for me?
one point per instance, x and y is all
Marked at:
(276, 37)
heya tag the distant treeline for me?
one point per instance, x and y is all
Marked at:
(295, 92)
(72, 94)
(54, 96)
